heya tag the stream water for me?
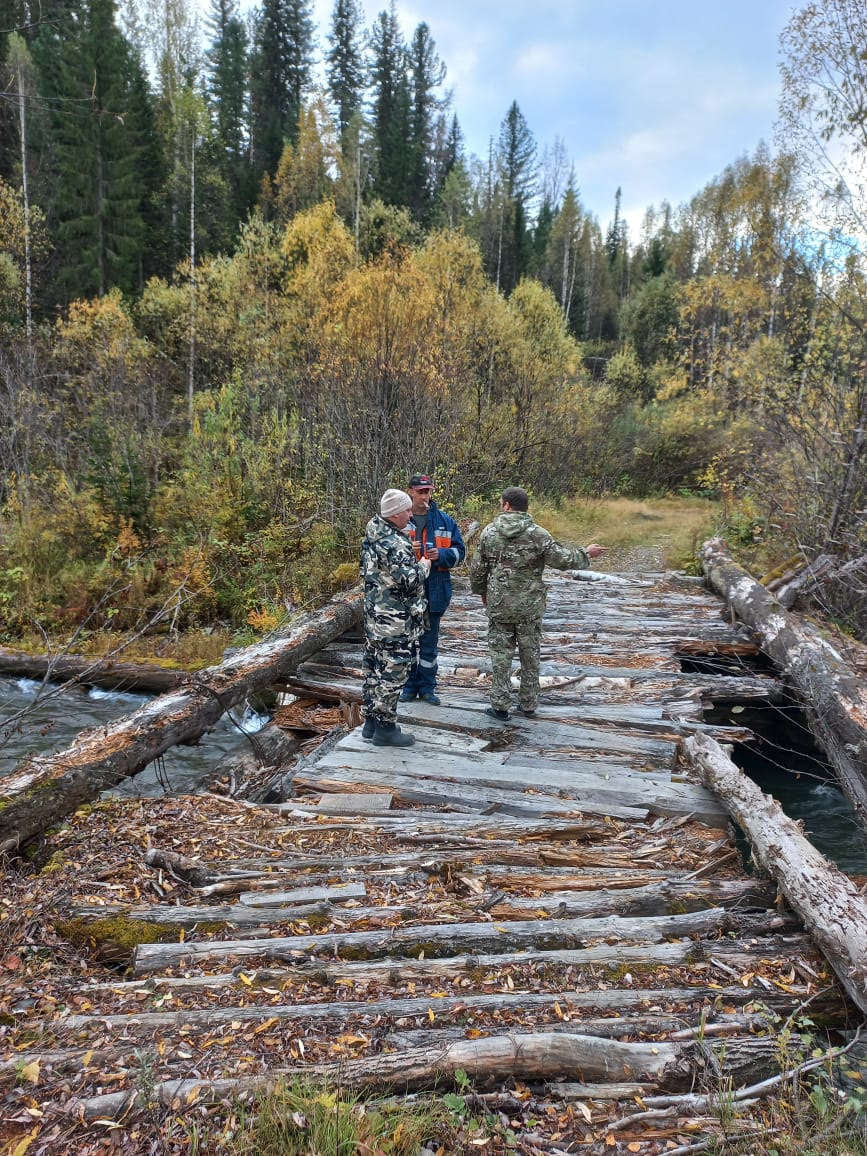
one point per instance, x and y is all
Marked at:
(33, 720)
(786, 762)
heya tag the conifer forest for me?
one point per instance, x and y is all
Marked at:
(250, 277)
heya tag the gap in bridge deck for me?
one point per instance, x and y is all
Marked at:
(787, 762)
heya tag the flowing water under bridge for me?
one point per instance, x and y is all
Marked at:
(556, 904)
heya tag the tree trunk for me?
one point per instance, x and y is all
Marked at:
(90, 671)
(456, 938)
(832, 696)
(827, 901)
(46, 788)
(528, 1057)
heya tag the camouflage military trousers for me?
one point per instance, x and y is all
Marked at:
(503, 637)
(386, 668)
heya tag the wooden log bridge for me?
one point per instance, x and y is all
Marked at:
(555, 903)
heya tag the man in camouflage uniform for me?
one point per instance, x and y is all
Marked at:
(394, 616)
(507, 571)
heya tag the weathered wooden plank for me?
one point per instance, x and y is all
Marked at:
(654, 899)
(446, 827)
(715, 957)
(500, 864)
(335, 893)
(575, 1001)
(536, 733)
(240, 914)
(497, 767)
(412, 787)
(461, 753)
(590, 788)
(530, 1057)
(354, 804)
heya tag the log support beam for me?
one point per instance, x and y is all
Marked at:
(832, 696)
(832, 909)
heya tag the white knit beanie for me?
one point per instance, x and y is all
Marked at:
(393, 501)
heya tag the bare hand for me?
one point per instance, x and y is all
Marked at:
(432, 553)
(594, 550)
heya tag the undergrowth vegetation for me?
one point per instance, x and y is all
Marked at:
(819, 1108)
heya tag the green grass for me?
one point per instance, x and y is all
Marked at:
(670, 529)
(305, 1117)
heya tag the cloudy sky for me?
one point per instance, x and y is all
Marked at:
(654, 96)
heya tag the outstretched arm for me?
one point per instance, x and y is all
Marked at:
(561, 557)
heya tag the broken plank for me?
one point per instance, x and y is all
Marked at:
(335, 893)
(354, 804)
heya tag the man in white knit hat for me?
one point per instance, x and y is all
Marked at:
(394, 616)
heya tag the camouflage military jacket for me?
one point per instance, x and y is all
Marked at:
(512, 554)
(394, 598)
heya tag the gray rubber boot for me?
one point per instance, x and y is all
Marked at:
(390, 735)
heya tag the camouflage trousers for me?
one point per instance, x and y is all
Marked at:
(503, 637)
(385, 666)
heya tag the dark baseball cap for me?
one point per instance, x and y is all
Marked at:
(420, 482)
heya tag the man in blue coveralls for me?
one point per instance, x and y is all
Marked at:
(434, 536)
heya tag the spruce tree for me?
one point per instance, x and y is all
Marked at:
(344, 61)
(12, 20)
(427, 73)
(227, 87)
(280, 73)
(516, 155)
(91, 79)
(391, 109)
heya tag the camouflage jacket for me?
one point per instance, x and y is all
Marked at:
(394, 599)
(512, 554)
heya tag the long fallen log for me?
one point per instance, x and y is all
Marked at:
(454, 938)
(723, 956)
(87, 670)
(832, 909)
(46, 788)
(833, 698)
(533, 1056)
(444, 1008)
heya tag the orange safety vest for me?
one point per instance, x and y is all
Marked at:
(442, 540)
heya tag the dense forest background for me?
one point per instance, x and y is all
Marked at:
(248, 280)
